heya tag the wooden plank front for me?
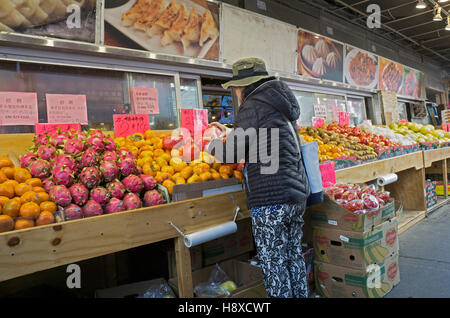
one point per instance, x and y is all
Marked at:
(30, 250)
(184, 269)
(430, 156)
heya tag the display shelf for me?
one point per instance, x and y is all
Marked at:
(430, 156)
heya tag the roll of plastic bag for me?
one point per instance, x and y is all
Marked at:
(209, 234)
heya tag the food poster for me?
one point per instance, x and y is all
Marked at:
(361, 68)
(71, 20)
(319, 57)
(390, 76)
(177, 27)
(411, 82)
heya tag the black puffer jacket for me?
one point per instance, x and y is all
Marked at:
(261, 109)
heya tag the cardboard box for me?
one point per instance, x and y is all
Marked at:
(229, 246)
(331, 215)
(388, 211)
(308, 255)
(196, 260)
(247, 277)
(355, 249)
(129, 290)
(343, 282)
(191, 191)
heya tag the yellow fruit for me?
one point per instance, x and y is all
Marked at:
(147, 169)
(175, 176)
(170, 170)
(226, 170)
(146, 153)
(237, 174)
(161, 176)
(215, 175)
(216, 166)
(166, 157)
(201, 168)
(193, 179)
(169, 185)
(186, 172)
(180, 180)
(140, 162)
(207, 158)
(178, 164)
(161, 162)
(149, 134)
(195, 162)
(205, 176)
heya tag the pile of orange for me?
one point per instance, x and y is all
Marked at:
(23, 201)
(168, 167)
(326, 151)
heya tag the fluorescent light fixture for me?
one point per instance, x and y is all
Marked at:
(437, 13)
(421, 4)
(443, 1)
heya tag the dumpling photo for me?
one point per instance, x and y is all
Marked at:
(309, 54)
(322, 49)
(319, 67)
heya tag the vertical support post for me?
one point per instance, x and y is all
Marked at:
(444, 177)
(184, 269)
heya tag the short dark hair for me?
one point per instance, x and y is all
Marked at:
(250, 88)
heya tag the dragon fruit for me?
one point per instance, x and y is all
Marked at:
(132, 201)
(149, 182)
(90, 177)
(72, 212)
(46, 152)
(133, 183)
(96, 143)
(115, 205)
(63, 159)
(80, 193)
(95, 133)
(127, 166)
(100, 195)
(60, 195)
(62, 175)
(152, 198)
(39, 168)
(110, 156)
(109, 144)
(57, 140)
(109, 170)
(73, 147)
(92, 208)
(48, 183)
(27, 158)
(40, 139)
(116, 189)
(89, 158)
(125, 153)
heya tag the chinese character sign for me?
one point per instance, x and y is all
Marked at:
(66, 109)
(125, 125)
(17, 108)
(51, 128)
(195, 120)
(145, 100)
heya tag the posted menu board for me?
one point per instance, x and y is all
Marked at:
(411, 82)
(319, 57)
(177, 27)
(390, 76)
(360, 68)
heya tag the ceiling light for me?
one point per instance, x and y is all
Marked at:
(421, 4)
(437, 13)
(443, 1)
(448, 24)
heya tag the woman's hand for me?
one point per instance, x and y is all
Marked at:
(225, 130)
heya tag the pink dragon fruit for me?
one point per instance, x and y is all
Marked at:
(62, 175)
(100, 195)
(133, 183)
(27, 158)
(132, 201)
(152, 198)
(127, 166)
(125, 153)
(109, 144)
(48, 183)
(73, 147)
(63, 159)
(92, 208)
(110, 156)
(139, 170)
(149, 182)
(90, 177)
(89, 158)
(46, 152)
(116, 189)
(60, 195)
(72, 212)
(115, 205)
(39, 168)
(80, 193)
(95, 133)
(57, 140)
(109, 170)
(96, 143)
(40, 139)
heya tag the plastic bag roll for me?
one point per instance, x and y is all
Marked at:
(387, 179)
(209, 234)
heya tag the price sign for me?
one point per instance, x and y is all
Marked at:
(343, 119)
(336, 109)
(320, 111)
(445, 127)
(17, 108)
(145, 100)
(328, 174)
(125, 125)
(318, 122)
(403, 121)
(194, 120)
(66, 109)
(51, 128)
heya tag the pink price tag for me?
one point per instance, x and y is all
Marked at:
(17, 108)
(51, 128)
(194, 120)
(328, 174)
(125, 125)
(318, 122)
(343, 119)
(403, 121)
(145, 100)
(66, 109)
(445, 127)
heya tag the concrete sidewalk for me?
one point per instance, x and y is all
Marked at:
(425, 258)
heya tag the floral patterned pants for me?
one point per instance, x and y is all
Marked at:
(277, 231)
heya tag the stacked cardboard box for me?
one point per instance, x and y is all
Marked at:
(356, 255)
(431, 195)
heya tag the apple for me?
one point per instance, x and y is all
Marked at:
(229, 286)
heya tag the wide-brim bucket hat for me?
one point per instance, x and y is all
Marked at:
(246, 72)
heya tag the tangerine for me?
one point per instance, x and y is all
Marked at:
(30, 210)
(46, 217)
(12, 207)
(30, 196)
(21, 188)
(6, 190)
(6, 162)
(38, 189)
(3, 177)
(43, 196)
(3, 200)
(49, 206)
(34, 182)
(23, 224)
(12, 183)
(21, 174)
(6, 223)
(8, 171)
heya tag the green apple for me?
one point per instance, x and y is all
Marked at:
(229, 285)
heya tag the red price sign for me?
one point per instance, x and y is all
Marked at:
(445, 127)
(66, 108)
(343, 119)
(195, 120)
(328, 174)
(17, 108)
(318, 122)
(403, 121)
(145, 100)
(51, 128)
(125, 125)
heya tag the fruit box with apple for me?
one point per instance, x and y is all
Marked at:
(356, 249)
(334, 281)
